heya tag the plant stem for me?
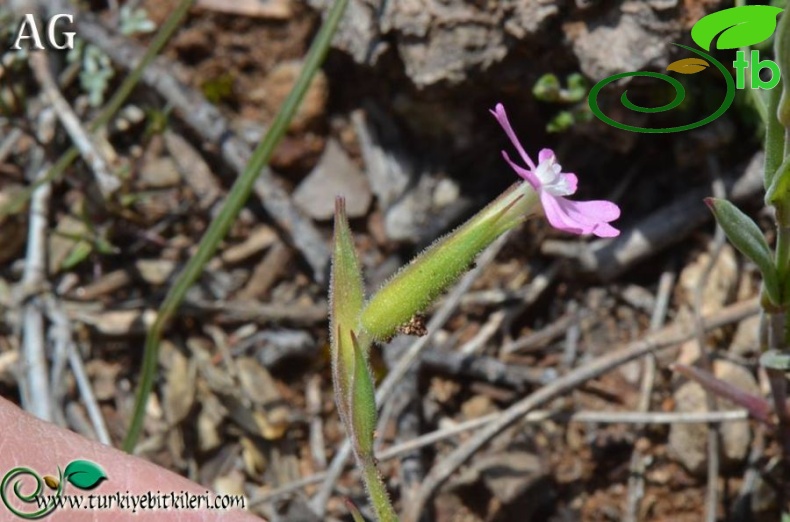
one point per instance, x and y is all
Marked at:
(377, 491)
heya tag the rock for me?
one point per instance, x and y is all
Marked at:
(387, 164)
(158, 173)
(335, 175)
(509, 475)
(746, 342)
(722, 281)
(277, 86)
(438, 40)
(607, 49)
(425, 211)
(688, 442)
(155, 271)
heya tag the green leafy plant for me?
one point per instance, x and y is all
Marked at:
(549, 89)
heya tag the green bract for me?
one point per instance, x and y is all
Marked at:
(346, 296)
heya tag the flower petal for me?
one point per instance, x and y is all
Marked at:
(596, 211)
(580, 217)
(501, 117)
(571, 181)
(546, 155)
(557, 216)
(528, 175)
(605, 230)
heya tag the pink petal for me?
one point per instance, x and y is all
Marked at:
(557, 216)
(528, 175)
(571, 180)
(580, 217)
(591, 211)
(545, 155)
(605, 230)
(501, 117)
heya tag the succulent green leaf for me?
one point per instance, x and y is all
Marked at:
(747, 237)
(738, 26)
(84, 474)
(547, 88)
(577, 88)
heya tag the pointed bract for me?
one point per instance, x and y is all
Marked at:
(346, 297)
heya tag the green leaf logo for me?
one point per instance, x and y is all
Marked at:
(738, 26)
(84, 474)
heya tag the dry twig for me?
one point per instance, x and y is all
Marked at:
(664, 338)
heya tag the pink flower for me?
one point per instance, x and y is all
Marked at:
(551, 184)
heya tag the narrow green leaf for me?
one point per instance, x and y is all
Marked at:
(77, 255)
(747, 237)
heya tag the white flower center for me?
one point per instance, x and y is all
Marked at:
(549, 173)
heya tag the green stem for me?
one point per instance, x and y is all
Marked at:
(377, 491)
(774, 138)
(236, 199)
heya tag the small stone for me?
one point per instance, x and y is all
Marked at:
(688, 442)
(155, 271)
(722, 280)
(278, 85)
(159, 173)
(746, 342)
(335, 175)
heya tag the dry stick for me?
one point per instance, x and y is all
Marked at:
(7, 147)
(62, 332)
(36, 397)
(665, 338)
(406, 405)
(318, 503)
(636, 479)
(742, 506)
(108, 184)
(206, 120)
(533, 417)
(714, 436)
(313, 399)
